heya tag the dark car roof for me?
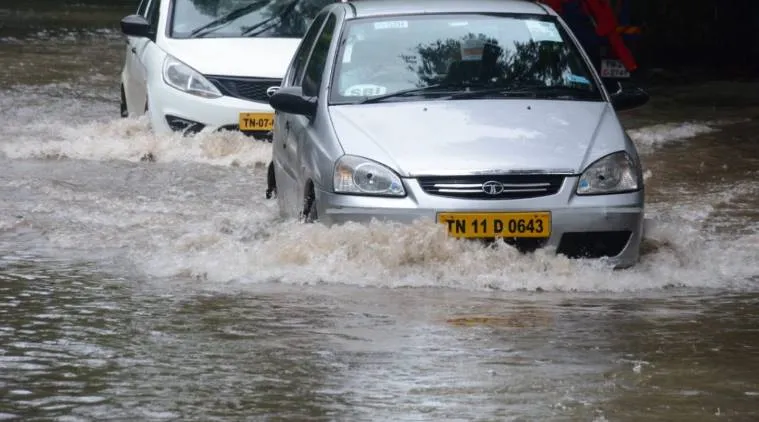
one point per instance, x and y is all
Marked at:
(370, 8)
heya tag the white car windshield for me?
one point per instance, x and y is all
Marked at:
(243, 18)
(406, 57)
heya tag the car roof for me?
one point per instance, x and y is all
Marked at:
(372, 8)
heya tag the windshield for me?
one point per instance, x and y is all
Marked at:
(490, 55)
(243, 18)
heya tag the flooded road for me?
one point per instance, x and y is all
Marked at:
(170, 290)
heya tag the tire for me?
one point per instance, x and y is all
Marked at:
(310, 214)
(271, 182)
(124, 110)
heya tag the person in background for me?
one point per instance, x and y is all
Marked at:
(595, 25)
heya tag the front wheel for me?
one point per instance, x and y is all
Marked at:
(271, 183)
(124, 110)
(309, 214)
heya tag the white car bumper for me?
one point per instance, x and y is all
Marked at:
(172, 110)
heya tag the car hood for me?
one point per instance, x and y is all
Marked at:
(253, 57)
(464, 136)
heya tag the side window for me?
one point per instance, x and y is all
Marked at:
(153, 14)
(312, 78)
(299, 61)
(142, 10)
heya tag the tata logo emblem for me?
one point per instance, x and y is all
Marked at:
(492, 187)
(271, 90)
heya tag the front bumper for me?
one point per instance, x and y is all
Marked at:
(172, 110)
(581, 226)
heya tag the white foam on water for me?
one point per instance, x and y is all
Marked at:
(649, 137)
(7, 223)
(131, 140)
(421, 255)
(217, 234)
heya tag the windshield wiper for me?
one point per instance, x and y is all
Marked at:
(229, 17)
(249, 31)
(528, 91)
(410, 91)
(502, 91)
(454, 92)
(561, 91)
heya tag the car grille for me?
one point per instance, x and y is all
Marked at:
(511, 186)
(593, 244)
(253, 89)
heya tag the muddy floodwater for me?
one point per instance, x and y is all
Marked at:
(171, 290)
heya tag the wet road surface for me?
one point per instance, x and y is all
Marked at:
(170, 290)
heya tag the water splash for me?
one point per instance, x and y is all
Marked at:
(421, 255)
(196, 223)
(132, 140)
(657, 135)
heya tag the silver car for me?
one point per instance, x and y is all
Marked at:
(485, 116)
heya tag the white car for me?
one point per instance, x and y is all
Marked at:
(211, 65)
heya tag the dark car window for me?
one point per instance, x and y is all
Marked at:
(383, 55)
(315, 68)
(304, 49)
(240, 18)
(142, 9)
(152, 15)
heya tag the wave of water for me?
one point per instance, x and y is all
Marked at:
(648, 138)
(247, 247)
(224, 232)
(132, 140)
(420, 255)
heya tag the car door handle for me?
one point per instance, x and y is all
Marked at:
(134, 50)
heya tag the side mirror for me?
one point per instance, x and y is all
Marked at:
(291, 100)
(135, 26)
(627, 98)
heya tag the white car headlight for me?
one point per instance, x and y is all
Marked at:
(187, 79)
(614, 173)
(361, 176)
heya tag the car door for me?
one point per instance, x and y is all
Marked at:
(284, 140)
(302, 130)
(135, 72)
(139, 48)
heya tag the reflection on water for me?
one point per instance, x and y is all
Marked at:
(78, 344)
(60, 336)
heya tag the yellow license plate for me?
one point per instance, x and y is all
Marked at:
(492, 224)
(256, 121)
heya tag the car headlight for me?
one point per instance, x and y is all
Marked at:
(361, 176)
(187, 79)
(614, 173)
